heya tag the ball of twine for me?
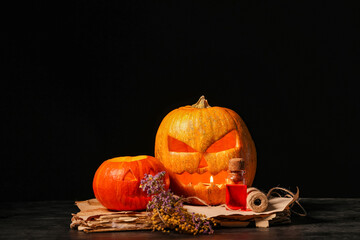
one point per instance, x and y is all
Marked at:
(256, 200)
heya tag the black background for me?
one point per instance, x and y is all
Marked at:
(87, 81)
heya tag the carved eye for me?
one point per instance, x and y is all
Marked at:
(226, 142)
(129, 176)
(175, 145)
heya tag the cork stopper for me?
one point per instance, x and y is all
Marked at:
(236, 164)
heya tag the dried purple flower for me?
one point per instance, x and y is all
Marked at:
(167, 212)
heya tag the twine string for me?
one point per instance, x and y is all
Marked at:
(276, 191)
(273, 192)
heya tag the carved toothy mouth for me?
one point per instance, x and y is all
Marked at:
(204, 177)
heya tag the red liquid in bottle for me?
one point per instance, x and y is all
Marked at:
(236, 195)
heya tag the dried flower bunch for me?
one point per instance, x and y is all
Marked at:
(167, 210)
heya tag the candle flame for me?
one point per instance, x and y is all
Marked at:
(211, 179)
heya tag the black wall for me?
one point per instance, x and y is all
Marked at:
(87, 81)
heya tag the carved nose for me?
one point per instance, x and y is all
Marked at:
(202, 163)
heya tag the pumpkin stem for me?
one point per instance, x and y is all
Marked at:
(201, 103)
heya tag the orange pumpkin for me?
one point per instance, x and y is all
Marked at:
(117, 180)
(196, 142)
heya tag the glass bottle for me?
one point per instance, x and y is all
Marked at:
(236, 189)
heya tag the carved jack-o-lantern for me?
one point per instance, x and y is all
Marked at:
(117, 180)
(195, 143)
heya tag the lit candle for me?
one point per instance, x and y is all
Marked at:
(206, 190)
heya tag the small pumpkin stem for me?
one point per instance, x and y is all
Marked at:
(201, 103)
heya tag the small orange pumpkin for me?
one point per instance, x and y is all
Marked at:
(117, 180)
(196, 142)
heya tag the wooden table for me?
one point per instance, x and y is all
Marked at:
(328, 218)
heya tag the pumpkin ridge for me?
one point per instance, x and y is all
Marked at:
(232, 117)
(214, 115)
(140, 168)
